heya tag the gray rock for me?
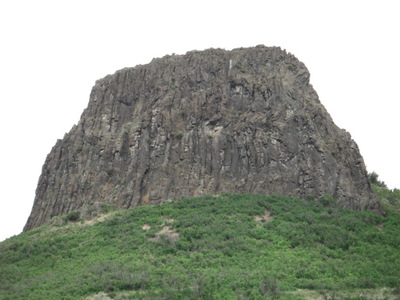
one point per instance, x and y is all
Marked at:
(208, 122)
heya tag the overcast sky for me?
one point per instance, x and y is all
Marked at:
(52, 52)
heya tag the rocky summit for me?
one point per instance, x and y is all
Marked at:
(207, 122)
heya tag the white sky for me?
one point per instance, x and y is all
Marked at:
(51, 53)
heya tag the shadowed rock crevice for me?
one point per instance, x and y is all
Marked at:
(208, 122)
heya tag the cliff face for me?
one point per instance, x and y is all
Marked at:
(209, 122)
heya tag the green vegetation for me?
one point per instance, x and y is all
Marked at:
(177, 134)
(389, 198)
(222, 247)
(107, 208)
(373, 178)
(73, 216)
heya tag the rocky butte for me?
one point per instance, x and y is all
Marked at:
(207, 122)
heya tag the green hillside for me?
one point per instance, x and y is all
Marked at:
(211, 247)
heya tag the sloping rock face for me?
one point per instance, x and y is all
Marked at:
(208, 122)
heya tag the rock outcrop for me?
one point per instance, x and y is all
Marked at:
(208, 122)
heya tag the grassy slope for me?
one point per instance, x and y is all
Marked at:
(229, 247)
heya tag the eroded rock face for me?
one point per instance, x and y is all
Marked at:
(208, 122)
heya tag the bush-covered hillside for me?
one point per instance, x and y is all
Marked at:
(211, 247)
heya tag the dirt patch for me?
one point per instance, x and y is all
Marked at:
(379, 293)
(264, 218)
(166, 233)
(99, 296)
(167, 221)
(97, 219)
(146, 227)
(146, 199)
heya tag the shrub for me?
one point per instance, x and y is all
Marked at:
(106, 208)
(177, 134)
(327, 200)
(269, 288)
(73, 216)
(373, 178)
